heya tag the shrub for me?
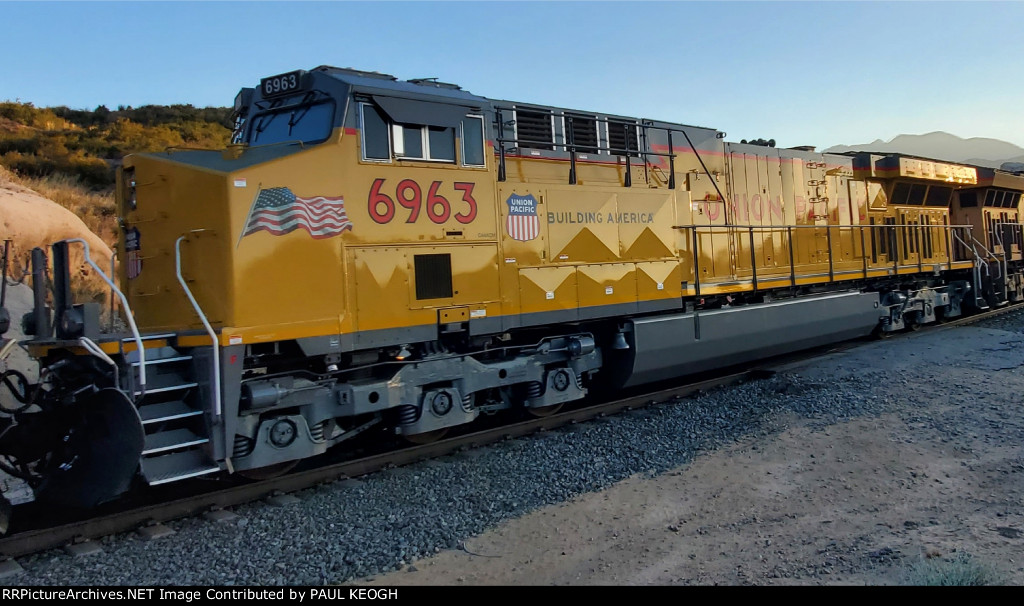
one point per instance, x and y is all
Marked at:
(961, 570)
(38, 142)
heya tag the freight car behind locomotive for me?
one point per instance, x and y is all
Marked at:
(374, 255)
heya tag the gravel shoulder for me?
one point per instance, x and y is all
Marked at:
(799, 508)
(847, 469)
(822, 501)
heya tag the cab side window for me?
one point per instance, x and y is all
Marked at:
(422, 142)
(404, 129)
(473, 141)
(376, 145)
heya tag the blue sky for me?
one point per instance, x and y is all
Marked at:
(803, 73)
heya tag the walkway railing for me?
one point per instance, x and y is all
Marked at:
(875, 247)
(634, 132)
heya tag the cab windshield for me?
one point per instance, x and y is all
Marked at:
(307, 123)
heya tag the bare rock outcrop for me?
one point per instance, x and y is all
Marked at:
(31, 220)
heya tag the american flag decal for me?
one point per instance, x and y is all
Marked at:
(134, 264)
(279, 211)
(133, 245)
(522, 222)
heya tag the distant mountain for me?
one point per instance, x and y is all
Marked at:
(1016, 160)
(944, 146)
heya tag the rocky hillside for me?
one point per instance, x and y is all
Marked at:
(30, 220)
(88, 144)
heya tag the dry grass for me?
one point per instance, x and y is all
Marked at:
(96, 209)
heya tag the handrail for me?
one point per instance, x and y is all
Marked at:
(113, 269)
(998, 229)
(978, 267)
(990, 256)
(640, 127)
(970, 247)
(861, 228)
(570, 146)
(974, 251)
(858, 226)
(847, 232)
(127, 313)
(978, 243)
(95, 350)
(206, 323)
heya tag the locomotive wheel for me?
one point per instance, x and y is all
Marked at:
(544, 411)
(427, 437)
(269, 472)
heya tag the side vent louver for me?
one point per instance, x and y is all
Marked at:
(433, 276)
(622, 137)
(533, 129)
(584, 134)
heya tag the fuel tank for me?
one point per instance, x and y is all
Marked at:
(663, 347)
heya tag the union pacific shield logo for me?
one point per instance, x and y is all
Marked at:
(522, 223)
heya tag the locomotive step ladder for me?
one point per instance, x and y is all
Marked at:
(982, 276)
(176, 431)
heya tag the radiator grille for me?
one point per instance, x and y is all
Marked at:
(620, 140)
(584, 134)
(533, 129)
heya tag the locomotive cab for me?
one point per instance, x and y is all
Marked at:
(339, 256)
(991, 209)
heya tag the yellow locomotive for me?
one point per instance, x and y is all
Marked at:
(403, 256)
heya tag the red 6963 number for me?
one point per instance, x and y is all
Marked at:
(409, 195)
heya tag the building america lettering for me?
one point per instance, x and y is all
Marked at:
(579, 217)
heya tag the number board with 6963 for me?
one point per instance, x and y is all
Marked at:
(281, 84)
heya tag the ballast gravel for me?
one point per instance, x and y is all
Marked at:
(355, 528)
